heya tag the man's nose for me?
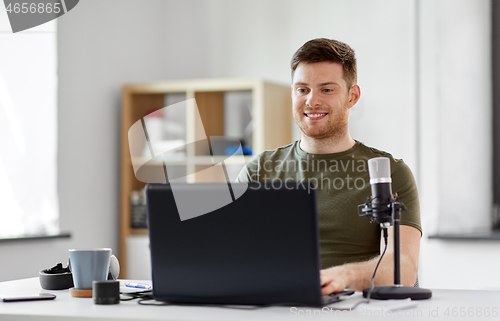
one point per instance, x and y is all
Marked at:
(313, 99)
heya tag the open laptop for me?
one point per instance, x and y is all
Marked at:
(259, 249)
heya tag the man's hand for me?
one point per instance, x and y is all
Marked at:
(357, 276)
(333, 280)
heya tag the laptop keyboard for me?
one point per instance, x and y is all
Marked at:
(335, 297)
(329, 299)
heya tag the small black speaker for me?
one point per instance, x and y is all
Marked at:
(106, 292)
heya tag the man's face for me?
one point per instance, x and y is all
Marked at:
(321, 99)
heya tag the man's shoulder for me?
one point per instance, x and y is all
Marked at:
(398, 166)
(265, 160)
(370, 152)
(276, 154)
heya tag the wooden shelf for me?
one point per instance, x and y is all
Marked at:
(195, 160)
(269, 101)
(138, 231)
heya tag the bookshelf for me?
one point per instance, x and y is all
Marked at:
(267, 106)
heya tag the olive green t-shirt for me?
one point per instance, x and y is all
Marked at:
(342, 183)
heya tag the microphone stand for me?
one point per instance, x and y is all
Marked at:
(396, 291)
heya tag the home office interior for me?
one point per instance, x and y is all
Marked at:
(424, 68)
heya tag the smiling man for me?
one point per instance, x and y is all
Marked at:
(324, 90)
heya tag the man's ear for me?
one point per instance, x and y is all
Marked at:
(354, 94)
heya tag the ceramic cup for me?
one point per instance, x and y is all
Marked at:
(89, 265)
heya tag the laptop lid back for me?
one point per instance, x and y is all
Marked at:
(261, 248)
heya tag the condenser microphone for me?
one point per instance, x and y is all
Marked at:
(379, 169)
(385, 209)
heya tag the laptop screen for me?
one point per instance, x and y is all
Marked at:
(260, 248)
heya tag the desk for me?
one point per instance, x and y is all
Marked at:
(445, 304)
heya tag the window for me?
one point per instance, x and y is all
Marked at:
(495, 46)
(28, 131)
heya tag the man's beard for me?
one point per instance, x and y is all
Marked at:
(334, 130)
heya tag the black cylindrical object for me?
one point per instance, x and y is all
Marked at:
(106, 292)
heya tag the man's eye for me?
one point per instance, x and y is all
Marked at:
(301, 90)
(328, 90)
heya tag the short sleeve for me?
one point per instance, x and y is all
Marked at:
(403, 183)
(248, 173)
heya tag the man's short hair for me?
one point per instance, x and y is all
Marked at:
(321, 50)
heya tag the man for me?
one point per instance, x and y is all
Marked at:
(323, 91)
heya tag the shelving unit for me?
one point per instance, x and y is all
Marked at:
(271, 116)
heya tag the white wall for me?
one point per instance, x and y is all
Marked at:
(103, 44)
(99, 50)
(456, 143)
(258, 39)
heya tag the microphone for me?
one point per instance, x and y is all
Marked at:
(379, 169)
(385, 209)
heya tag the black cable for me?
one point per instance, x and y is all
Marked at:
(146, 298)
(144, 295)
(372, 281)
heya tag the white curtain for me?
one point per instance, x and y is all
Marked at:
(28, 130)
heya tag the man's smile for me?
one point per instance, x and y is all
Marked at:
(315, 115)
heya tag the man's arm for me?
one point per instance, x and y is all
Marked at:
(357, 276)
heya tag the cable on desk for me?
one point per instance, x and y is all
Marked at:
(144, 295)
(237, 307)
(146, 298)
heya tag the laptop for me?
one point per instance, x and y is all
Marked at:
(258, 248)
